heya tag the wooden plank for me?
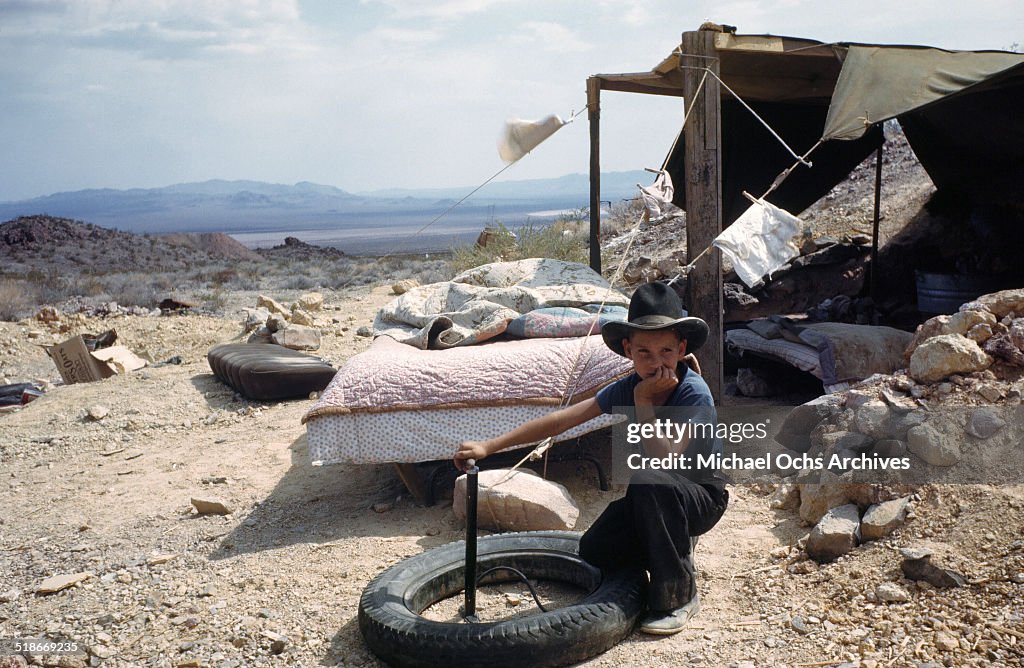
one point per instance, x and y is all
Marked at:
(415, 483)
(594, 116)
(703, 170)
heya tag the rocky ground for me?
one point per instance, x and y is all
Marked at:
(107, 502)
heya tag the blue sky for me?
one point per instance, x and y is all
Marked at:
(368, 94)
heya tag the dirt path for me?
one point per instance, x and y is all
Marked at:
(277, 581)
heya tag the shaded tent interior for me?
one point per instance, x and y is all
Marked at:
(959, 111)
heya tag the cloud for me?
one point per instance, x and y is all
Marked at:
(441, 9)
(160, 29)
(552, 37)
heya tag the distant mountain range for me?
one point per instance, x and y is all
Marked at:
(256, 207)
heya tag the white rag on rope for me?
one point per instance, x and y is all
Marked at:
(521, 137)
(657, 197)
(761, 241)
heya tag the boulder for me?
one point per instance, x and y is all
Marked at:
(890, 448)
(271, 305)
(210, 506)
(935, 446)
(298, 337)
(668, 266)
(48, 314)
(301, 317)
(56, 583)
(1002, 347)
(984, 423)
(871, 419)
(890, 592)
(261, 335)
(979, 333)
(276, 322)
(522, 502)
(311, 302)
(254, 318)
(882, 519)
(795, 432)
(1000, 304)
(947, 354)
(880, 421)
(929, 328)
(818, 499)
(846, 440)
(835, 534)
(785, 497)
(990, 392)
(401, 287)
(917, 565)
(963, 321)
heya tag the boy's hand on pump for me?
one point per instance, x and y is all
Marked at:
(468, 452)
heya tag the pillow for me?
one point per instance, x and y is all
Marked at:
(556, 322)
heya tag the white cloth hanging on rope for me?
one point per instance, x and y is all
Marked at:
(521, 137)
(761, 241)
(657, 197)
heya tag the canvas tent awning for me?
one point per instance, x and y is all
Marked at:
(959, 109)
(882, 82)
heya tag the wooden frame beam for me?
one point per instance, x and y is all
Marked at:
(703, 170)
(594, 116)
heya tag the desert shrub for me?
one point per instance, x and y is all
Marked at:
(18, 299)
(298, 282)
(622, 217)
(132, 289)
(54, 288)
(213, 300)
(552, 241)
(245, 279)
(223, 277)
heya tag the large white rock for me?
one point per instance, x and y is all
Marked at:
(1000, 303)
(963, 321)
(522, 502)
(944, 355)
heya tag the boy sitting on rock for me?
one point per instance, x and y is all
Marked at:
(657, 523)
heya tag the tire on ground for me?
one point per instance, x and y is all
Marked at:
(394, 630)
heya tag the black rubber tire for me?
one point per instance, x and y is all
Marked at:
(394, 630)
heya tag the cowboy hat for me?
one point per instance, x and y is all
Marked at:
(653, 307)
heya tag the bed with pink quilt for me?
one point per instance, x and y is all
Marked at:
(396, 403)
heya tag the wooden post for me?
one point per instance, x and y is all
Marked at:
(703, 170)
(594, 115)
(873, 286)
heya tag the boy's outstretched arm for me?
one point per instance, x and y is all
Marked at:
(535, 430)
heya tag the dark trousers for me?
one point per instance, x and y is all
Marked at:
(652, 527)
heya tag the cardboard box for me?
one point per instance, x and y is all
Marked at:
(76, 364)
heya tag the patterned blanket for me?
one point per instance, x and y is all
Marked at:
(391, 376)
(479, 304)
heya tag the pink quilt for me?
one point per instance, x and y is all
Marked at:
(392, 376)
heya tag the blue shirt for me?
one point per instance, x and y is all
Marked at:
(691, 391)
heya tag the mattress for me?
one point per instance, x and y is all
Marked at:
(397, 403)
(798, 355)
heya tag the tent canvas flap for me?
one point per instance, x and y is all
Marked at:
(882, 82)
